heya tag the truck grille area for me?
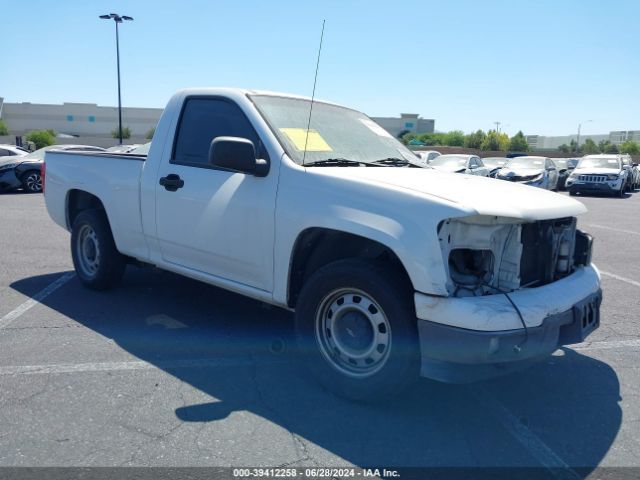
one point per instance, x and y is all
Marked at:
(489, 255)
(548, 249)
(592, 178)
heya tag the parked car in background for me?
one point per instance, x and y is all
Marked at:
(427, 155)
(538, 172)
(565, 167)
(12, 151)
(599, 174)
(141, 149)
(123, 148)
(494, 164)
(632, 171)
(24, 171)
(469, 164)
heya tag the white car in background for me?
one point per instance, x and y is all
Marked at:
(12, 151)
(535, 171)
(427, 155)
(459, 163)
(599, 174)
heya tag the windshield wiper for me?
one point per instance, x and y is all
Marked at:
(396, 162)
(335, 162)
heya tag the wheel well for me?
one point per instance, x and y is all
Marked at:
(78, 201)
(317, 247)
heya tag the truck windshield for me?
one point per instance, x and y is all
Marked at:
(335, 132)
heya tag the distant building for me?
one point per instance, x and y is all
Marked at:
(541, 142)
(77, 119)
(91, 120)
(407, 122)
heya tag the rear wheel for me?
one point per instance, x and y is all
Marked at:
(96, 259)
(357, 330)
(32, 181)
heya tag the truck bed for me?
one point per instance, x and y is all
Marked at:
(114, 178)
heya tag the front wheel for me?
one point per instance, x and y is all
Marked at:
(32, 181)
(357, 330)
(97, 261)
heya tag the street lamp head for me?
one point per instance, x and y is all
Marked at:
(105, 17)
(124, 17)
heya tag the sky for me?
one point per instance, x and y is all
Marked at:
(537, 66)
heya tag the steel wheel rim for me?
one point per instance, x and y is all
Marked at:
(34, 182)
(353, 333)
(88, 251)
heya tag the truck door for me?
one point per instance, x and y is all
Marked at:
(211, 220)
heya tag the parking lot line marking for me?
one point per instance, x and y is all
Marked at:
(529, 440)
(238, 361)
(604, 227)
(37, 298)
(622, 279)
(634, 343)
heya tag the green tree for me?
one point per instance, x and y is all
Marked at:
(407, 137)
(573, 147)
(491, 141)
(630, 147)
(3, 128)
(495, 141)
(518, 143)
(454, 138)
(602, 145)
(474, 140)
(432, 138)
(611, 148)
(590, 147)
(41, 138)
(126, 132)
(564, 148)
(400, 135)
(152, 132)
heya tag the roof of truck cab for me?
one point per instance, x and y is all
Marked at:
(231, 91)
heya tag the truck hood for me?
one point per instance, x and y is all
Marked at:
(482, 195)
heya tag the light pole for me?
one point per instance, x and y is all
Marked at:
(497, 124)
(117, 19)
(578, 139)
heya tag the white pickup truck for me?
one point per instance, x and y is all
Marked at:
(393, 270)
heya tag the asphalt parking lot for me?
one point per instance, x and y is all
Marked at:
(166, 371)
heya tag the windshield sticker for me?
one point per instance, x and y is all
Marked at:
(375, 128)
(314, 142)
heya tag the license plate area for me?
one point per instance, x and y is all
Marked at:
(586, 318)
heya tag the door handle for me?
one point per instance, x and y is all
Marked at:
(172, 182)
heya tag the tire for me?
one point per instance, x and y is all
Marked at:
(572, 193)
(382, 357)
(621, 192)
(32, 181)
(96, 259)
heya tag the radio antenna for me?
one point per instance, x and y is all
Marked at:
(313, 95)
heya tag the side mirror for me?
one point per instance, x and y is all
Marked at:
(238, 155)
(635, 164)
(563, 170)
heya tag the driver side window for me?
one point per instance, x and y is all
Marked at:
(204, 119)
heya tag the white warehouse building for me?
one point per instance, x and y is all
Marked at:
(95, 121)
(76, 119)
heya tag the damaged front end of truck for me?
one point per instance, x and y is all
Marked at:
(517, 290)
